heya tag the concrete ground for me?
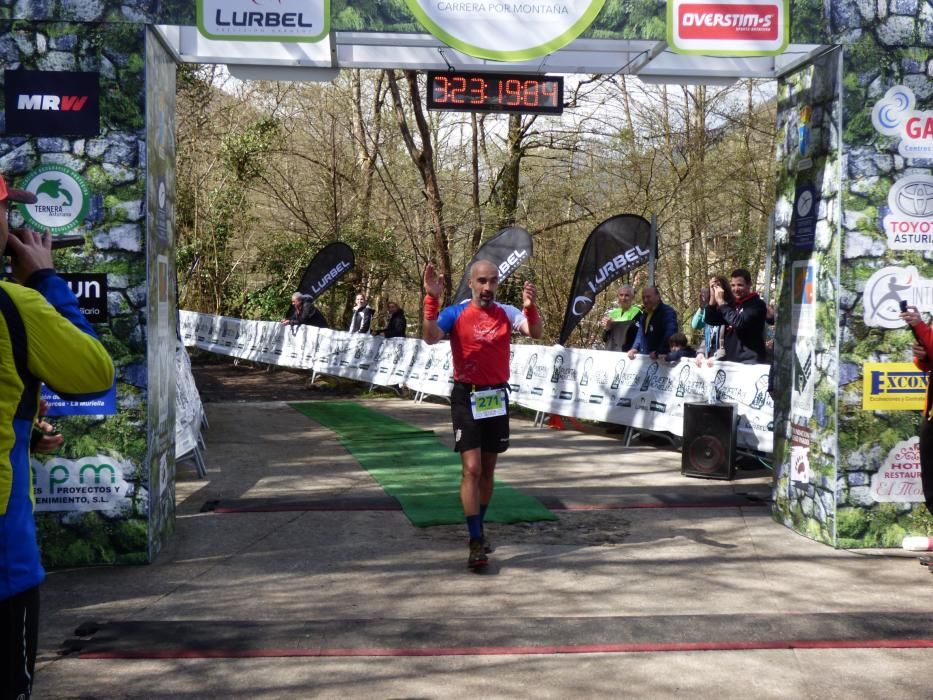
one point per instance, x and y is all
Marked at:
(651, 584)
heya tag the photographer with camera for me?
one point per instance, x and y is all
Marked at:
(43, 338)
(923, 359)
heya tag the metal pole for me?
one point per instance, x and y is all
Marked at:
(766, 292)
(653, 247)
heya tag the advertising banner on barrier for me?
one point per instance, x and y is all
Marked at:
(590, 384)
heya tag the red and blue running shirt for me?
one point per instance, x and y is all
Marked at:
(479, 340)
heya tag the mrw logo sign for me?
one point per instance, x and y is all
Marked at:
(52, 103)
(55, 103)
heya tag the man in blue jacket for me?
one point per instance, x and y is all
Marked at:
(43, 338)
(657, 324)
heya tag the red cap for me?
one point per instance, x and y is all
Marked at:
(12, 194)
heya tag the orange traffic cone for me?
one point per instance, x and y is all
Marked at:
(577, 425)
(555, 422)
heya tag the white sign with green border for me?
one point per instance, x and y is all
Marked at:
(63, 199)
(506, 31)
(264, 20)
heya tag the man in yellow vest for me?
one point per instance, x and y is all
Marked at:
(619, 322)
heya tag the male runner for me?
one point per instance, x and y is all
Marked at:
(480, 333)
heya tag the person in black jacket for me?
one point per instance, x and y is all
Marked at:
(362, 316)
(396, 327)
(743, 317)
(304, 312)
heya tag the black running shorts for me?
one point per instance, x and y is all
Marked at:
(489, 434)
(19, 636)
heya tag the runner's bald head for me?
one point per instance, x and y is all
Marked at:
(484, 279)
(484, 267)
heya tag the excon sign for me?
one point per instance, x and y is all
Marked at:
(264, 20)
(52, 103)
(728, 27)
(893, 386)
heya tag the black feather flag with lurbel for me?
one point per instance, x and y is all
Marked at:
(618, 245)
(331, 262)
(508, 249)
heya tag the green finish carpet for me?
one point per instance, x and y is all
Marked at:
(414, 467)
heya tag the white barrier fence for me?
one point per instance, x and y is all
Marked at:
(591, 384)
(189, 413)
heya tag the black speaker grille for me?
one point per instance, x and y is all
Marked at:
(709, 440)
(706, 454)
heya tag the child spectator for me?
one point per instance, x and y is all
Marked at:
(680, 348)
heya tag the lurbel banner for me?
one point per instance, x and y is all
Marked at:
(52, 103)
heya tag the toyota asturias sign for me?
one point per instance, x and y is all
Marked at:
(728, 27)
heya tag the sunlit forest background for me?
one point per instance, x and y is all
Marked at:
(269, 173)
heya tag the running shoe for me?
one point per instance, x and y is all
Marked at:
(478, 558)
(487, 545)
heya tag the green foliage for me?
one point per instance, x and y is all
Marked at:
(122, 434)
(373, 15)
(919, 522)
(349, 19)
(851, 523)
(91, 538)
(266, 303)
(243, 153)
(808, 23)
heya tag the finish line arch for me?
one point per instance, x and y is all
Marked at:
(850, 82)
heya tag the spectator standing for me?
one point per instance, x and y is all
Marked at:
(43, 338)
(362, 316)
(656, 325)
(923, 352)
(304, 312)
(743, 318)
(619, 323)
(397, 325)
(713, 339)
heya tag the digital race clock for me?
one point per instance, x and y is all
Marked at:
(495, 92)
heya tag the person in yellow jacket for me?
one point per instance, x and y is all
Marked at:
(619, 322)
(43, 338)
